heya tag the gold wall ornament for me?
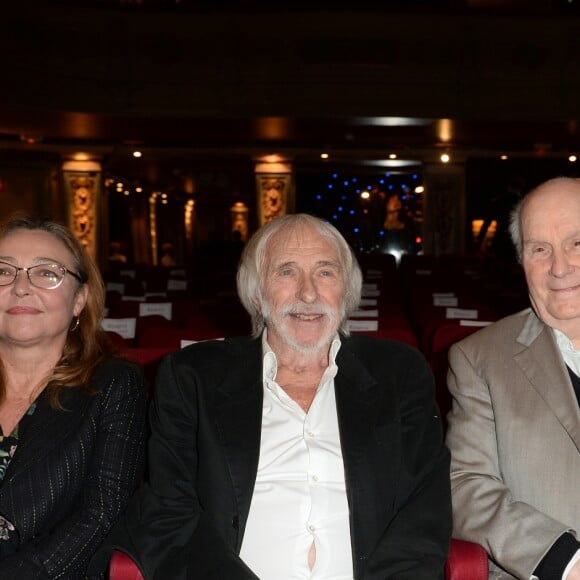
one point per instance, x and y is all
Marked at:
(82, 190)
(273, 191)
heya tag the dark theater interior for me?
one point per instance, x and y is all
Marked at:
(167, 131)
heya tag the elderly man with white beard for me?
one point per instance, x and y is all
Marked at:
(299, 452)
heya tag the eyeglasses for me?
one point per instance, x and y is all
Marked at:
(45, 276)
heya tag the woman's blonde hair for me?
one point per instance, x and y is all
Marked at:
(87, 344)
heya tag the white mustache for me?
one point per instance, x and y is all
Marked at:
(307, 310)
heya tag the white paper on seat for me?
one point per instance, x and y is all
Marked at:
(365, 314)
(150, 308)
(475, 322)
(116, 287)
(372, 274)
(370, 286)
(123, 326)
(445, 301)
(173, 284)
(460, 313)
(185, 343)
(155, 295)
(363, 325)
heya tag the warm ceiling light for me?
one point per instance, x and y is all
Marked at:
(80, 156)
(137, 154)
(393, 156)
(503, 157)
(445, 158)
(324, 156)
(419, 189)
(444, 130)
(572, 158)
(365, 194)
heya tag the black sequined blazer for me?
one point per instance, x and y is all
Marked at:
(71, 476)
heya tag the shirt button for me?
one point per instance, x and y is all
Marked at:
(315, 478)
(310, 433)
(312, 527)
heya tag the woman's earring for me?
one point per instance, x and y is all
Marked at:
(75, 324)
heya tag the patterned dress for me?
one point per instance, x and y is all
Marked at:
(8, 445)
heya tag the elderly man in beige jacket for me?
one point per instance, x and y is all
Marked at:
(514, 429)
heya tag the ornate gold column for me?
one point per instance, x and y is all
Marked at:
(274, 188)
(82, 184)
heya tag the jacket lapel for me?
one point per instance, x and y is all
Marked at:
(239, 420)
(541, 362)
(356, 396)
(46, 430)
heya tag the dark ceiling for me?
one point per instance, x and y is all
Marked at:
(294, 79)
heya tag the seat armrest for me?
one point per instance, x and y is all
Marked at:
(466, 561)
(122, 567)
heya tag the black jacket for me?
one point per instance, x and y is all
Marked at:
(188, 521)
(72, 474)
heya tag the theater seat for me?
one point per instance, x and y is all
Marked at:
(466, 561)
(122, 567)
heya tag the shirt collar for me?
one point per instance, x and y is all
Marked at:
(564, 343)
(270, 363)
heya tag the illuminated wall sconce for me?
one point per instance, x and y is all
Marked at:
(445, 158)
(239, 216)
(572, 158)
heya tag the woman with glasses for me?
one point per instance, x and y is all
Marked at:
(72, 415)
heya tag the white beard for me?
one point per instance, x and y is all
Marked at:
(277, 323)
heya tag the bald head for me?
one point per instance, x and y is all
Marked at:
(550, 196)
(548, 232)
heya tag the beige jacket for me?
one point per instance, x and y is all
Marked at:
(514, 435)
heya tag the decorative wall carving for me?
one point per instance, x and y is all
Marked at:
(82, 189)
(273, 192)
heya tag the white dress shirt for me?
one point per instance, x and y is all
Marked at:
(572, 359)
(300, 493)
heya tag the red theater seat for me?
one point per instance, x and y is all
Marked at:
(466, 561)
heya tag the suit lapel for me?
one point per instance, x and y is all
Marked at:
(356, 396)
(542, 363)
(46, 430)
(239, 420)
